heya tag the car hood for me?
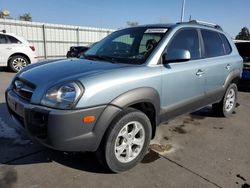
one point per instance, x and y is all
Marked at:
(52, 72)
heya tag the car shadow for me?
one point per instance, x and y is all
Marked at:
(16, 152)
(203, 113)
(244, 89)
(5, 69)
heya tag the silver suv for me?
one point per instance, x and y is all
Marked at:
(111, 100)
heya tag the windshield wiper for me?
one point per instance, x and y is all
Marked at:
(100, 57)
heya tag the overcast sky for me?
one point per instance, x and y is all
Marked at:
(231, 15)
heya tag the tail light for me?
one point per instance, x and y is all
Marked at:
(32, 48)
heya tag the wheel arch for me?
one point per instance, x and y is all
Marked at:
(141, 99)
(144, 99)
(233, 77)
(19, 54)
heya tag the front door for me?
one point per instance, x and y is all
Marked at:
(183, 83)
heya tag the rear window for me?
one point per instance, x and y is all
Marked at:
(227, 46)
(13, 40)
(212, 43)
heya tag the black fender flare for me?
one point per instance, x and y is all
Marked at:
(143, 94)
(235, 74)
(135, 96)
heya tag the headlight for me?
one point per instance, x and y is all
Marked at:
(63, 96)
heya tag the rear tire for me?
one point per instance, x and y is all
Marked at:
(126, 141)
(227, 105)
(18, 62)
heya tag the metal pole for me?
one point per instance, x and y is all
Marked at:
(183, 10)
(44, 42)
(77, 36)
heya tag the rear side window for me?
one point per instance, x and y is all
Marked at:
(3, 39)
(13, 40)
(226, 45)
(186, 39)
(213, 45)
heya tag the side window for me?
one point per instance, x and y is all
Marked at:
(212, 43)
(3, 39)
(187, 39)
(226, 44)
(13, 40)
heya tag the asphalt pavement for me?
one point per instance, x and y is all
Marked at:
(194, 150)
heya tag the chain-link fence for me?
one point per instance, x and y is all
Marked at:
(53, 40)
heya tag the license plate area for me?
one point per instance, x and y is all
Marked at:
(15, 106)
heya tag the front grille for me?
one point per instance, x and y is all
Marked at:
(23, 88)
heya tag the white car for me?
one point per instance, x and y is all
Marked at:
(15, 52)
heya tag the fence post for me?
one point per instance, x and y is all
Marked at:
(44, 42)
(77, 36)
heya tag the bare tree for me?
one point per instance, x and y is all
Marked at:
(132, 23)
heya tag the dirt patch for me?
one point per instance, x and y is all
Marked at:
(165, 138)
(8, 176)
(160, 147)
(180, 129)
(191, 121)
(220, 128)
(245, 185)
(241, 177)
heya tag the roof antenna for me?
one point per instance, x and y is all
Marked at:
(183, 10)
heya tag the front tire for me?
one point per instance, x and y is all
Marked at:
(126, 141)
(17, 63)
(227, 105)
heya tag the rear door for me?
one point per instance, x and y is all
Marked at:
(218, 64)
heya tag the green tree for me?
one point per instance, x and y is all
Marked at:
(243, 34)
(26, 17)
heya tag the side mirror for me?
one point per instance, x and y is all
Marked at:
(176, 56)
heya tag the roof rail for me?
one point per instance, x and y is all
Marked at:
(216, 26)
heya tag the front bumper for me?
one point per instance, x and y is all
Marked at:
(61, 129)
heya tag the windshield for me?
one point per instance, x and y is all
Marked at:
(132, 45)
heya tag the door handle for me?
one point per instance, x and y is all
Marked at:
(228, 66)
(200, 72)
(8, 48)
